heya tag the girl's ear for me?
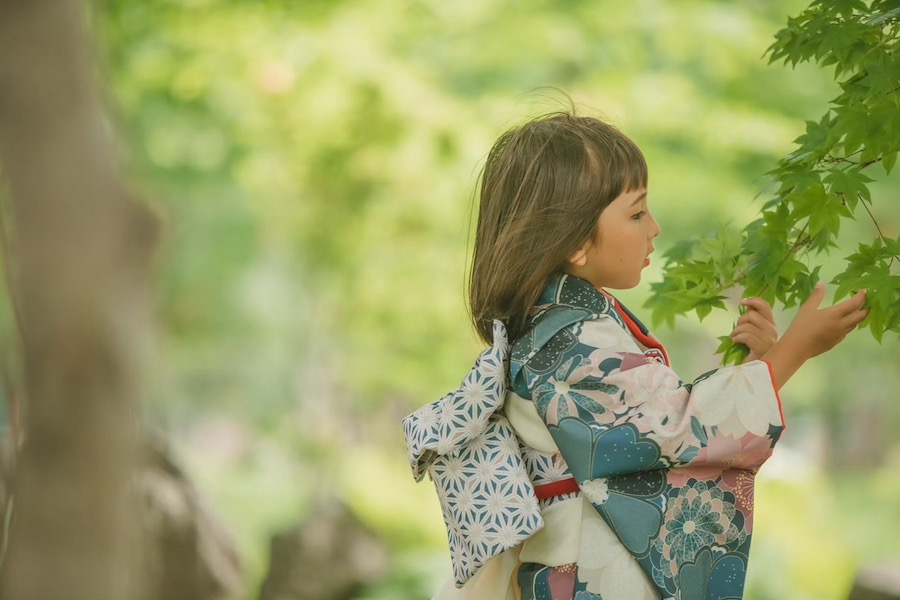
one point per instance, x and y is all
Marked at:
(579, 257)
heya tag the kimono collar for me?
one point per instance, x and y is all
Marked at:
(568, 290)
(566, 300)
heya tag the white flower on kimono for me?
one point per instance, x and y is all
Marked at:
(452, 467)
(595, 490)
(508, 533)
(603, 333)
(463, 498)
(571, 387)
(472, 393)
(494, 503)
(739, 400)
(508, 446)
(426, 418)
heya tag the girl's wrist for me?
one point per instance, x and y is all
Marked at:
(797, 344)
(787, 356)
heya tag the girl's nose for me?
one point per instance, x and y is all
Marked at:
(656, 228)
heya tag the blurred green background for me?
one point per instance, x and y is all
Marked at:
(314, 164)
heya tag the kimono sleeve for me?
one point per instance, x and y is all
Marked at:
(613, 411)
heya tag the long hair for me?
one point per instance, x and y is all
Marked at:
(542, 190)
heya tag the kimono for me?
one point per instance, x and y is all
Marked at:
(574, 464)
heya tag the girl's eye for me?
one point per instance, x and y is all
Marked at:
(639, 216)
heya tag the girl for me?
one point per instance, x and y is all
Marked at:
(573, 463)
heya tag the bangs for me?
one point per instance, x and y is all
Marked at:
(615, 164)
(630, 168)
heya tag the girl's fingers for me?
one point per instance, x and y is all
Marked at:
(851, 304)
(749, 340)
(758, 320)
(754, 329)
(760, 305)
(751, 334)
(752, 316)
(855, 318)
(741, 328)
(740, 337)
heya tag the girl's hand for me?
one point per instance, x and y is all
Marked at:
(821, 330)
(756, 328)
(813, 332)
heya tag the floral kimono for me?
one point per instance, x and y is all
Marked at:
(592, 471)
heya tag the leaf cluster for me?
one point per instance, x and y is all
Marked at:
(824, 181)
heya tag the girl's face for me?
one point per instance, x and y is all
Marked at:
(622, 246)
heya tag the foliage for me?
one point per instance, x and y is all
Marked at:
(822, 183)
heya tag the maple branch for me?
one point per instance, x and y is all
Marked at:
(878, 227)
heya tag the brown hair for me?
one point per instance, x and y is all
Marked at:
(543, 188)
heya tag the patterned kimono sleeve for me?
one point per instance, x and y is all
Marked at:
(668, 465)
(613, 411)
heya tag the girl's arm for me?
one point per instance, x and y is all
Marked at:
(612, 411)
(813, 332)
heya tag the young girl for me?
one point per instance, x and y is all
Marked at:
(573, 463)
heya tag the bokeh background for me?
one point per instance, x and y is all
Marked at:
(314, 164)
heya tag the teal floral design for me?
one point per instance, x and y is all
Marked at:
(712, 578)
(570, 391)
(699, 516)
(603, 452)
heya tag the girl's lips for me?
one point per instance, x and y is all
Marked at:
(646, 261)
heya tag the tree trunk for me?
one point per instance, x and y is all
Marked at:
(82, 252)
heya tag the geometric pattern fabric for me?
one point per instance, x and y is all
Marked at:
(472, 455)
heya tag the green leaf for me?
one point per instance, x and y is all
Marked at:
(732, 353)
(888, 161)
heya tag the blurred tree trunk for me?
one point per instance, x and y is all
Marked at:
(81, 258)
(332, 555)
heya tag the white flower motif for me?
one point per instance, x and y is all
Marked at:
(495, 504)
(452, 468)
(472, 392)
(472, 429)
(426, 418)
(602, 333)
(464, 501)
(475, 532)
(519, 478)
(508, 534)
(509, 445)
(595, 490)
(483, 473)
(738, 400)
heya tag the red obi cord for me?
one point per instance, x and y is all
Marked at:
(557, 488)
